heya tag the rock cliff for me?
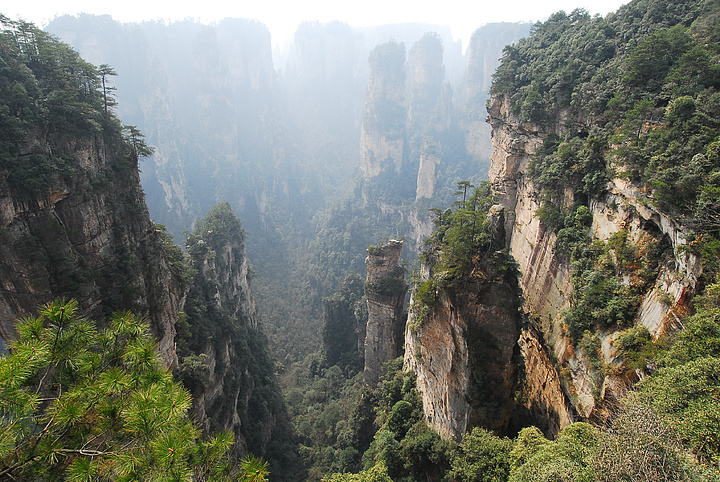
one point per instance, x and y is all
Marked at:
(546, 276)
(385, 291)
(383, 126)
(225, 359)
(87, 236)
(462, 346)
(463, 356)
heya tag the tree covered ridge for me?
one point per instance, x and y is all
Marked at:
(638, 95)
(48, 92)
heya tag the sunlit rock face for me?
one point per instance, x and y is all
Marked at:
(385, 291)
(463, 358)
(546, 276)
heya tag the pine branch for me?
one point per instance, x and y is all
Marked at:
(86, 452)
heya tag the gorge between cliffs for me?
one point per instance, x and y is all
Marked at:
(387, 258)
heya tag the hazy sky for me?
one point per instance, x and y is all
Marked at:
(283, 16)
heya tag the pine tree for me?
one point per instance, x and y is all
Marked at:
(78, 402)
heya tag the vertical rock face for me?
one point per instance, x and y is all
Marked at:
(546, 275)
(463, 353)
(383, 125)
(426, 75)
(87, 236)
(483, 57)
(426, 173)
(385, 291)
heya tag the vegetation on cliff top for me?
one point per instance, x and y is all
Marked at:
(638, 95)
(466, 247)
(48, 91)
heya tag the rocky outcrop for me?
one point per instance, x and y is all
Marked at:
(546, 275)
(544, 402)
(426, 172)
(88, 236)
(385, 291)
(224, 356)
(463, 353)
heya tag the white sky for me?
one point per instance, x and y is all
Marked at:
(283, 16)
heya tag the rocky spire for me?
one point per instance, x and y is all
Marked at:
(385, 291)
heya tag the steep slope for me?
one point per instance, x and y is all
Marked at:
(74, 218)
(464, 321)
(602, 234)
(385, 291)
(224, 355)
(75, 225)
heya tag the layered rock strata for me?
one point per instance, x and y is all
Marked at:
(464, 351)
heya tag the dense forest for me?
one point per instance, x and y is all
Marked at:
(311, 169)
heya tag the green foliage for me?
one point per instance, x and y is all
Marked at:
(403, 442)
(333, 415)
(47, 89)
(527, 443)
(377, 473)
(344, 314)
(393, 285)
(135, 142)
(566, 459)
(481, 457)
(461, 235)
(465, 247)
(684, 392)
(688, 397)
(575, 233)
(80, 402)
(542, 73)
(575, 162)
(218, 325)
(700, 337)
(254, 469)
(637, 349)
(608, 281)
(649, 75)
(219, 227)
